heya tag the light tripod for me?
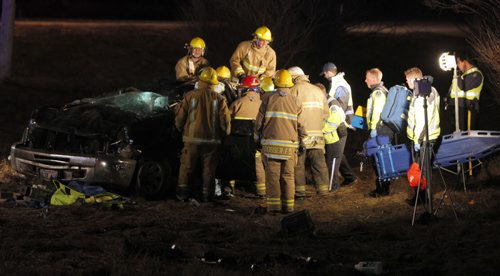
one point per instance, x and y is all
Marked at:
(447, 62)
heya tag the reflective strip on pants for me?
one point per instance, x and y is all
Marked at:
(280, 182)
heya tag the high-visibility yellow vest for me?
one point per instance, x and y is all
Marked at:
(337, 117)
(472, 93)
(374, 106)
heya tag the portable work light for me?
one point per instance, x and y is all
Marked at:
(447, 62)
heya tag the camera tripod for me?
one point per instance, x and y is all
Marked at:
(425, 158)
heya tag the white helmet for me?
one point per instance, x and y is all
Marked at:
(296, 71)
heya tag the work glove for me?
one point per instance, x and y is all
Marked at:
(302, 148)
(416, 146)
(373, 133)
(241, 77)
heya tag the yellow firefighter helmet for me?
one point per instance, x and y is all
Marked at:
(197, 42)
(209, 75)
(263, 33)
(267, 84)
(283, 78)
(223, 72)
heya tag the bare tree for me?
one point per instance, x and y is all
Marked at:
(295, 24)
(483, 33)
(6, 36)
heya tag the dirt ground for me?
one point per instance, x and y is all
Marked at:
(54, 65)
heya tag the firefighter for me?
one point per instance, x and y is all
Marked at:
(267, 84)
(416, 124)
(243, 113)
(187, 67)
(254, 57)
(279, 129)
(341, 91)
(226, 87)
(203, 118)
(374, 106)
(314, 112)
(468, 88)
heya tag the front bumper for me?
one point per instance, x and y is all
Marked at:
(99, 169)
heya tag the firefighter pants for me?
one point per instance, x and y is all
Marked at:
(207, 155)
(280, 184)
(316, 161)
(260, 184)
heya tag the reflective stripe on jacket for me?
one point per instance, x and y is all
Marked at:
(249, 60)
(203, 116)
(345, 100)
(314, 111)
(336, 117)
(246, 107)
(375, 105)
(186, 69)
(416, 119)
(469, 85)
(279, 124)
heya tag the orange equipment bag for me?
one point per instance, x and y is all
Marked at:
(414, 176)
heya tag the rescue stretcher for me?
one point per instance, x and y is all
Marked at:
(457, 148)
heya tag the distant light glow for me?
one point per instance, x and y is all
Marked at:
(447, 62)
(104, 164)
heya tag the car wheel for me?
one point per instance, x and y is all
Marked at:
(153, 178)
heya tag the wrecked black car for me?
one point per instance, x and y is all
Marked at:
(121, 141)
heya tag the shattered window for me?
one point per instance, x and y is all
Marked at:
(141, 103)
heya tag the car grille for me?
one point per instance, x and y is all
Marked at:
(56, 141)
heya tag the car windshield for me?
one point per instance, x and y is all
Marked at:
(143, 104)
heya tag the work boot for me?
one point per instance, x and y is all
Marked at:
(385, 188)
(381, 190)
(335, 187)
(300, 195)
(181, 195)
(422, 199)
(287, 211)
(347, 182)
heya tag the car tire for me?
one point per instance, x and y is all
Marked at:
(153, 178)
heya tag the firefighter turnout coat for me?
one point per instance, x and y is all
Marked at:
(203, 116)
(279, 125)
(186, 68)
(314, 111)
(247, 59)
(246, 107)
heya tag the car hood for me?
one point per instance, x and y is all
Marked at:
(101, 115)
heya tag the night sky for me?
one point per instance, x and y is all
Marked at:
(386, 10)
